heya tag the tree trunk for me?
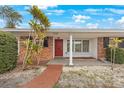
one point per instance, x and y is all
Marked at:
(111, 59)
(26, 54)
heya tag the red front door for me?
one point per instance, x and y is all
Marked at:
(58, 47)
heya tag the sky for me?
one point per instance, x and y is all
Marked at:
(76, 16)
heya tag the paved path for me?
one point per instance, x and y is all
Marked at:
(47, 79)
(79, 62)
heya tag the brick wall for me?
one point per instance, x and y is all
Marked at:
(101, 49)
(44, 55)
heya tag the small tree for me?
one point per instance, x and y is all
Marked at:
(113, 45)
(40, 24)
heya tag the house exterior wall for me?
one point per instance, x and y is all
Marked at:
(96, 42)
(96, 49)
(101, 50)
(45, 54)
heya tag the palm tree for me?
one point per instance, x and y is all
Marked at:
(113, 46)
(40, 24)
(11, 17)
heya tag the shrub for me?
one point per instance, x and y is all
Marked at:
(119, 55)
(108, 54)
(8, 51)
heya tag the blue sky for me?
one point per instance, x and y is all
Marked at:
(77, 16)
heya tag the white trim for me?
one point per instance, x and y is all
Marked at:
(75, 32)
(96, 48)
(78, 54)
(64, 30)
(53, 47)
(70, 53)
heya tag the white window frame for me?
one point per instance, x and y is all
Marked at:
(81, 46)
(75, 46)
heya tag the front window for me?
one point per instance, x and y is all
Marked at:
(85, 46)
(78, 45)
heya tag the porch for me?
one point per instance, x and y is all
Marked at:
(79, 62)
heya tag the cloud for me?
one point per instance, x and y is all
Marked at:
(2, 23)
(73, 11)
(58, 11)
(24, 12)
(110, 10)
(57, 24)
(45, 7)
(103, 11)
(55, 12)
(110, 19)
(92, 10)
(91, 25)
(26, 7)
(80, 18)
(120, 22)
(23, 25)
(65, 25)
(115, 11)
(48, 13)
(1, 20)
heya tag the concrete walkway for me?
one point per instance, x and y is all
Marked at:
(78, 62)
(47, 79)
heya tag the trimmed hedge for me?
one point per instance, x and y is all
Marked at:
(8, 51)
(119, 55)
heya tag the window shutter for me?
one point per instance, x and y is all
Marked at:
(106, 42)
(121, 45)
(46, 42)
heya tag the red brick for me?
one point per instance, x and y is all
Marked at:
(45, 54)
(47, 79)
(101, 50)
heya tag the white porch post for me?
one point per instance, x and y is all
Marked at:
(70, 58)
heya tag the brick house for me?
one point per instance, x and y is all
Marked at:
(85, 43)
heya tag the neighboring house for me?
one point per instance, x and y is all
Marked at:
(82, 43)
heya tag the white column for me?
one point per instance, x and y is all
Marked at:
(70, 58)
(18, 38)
